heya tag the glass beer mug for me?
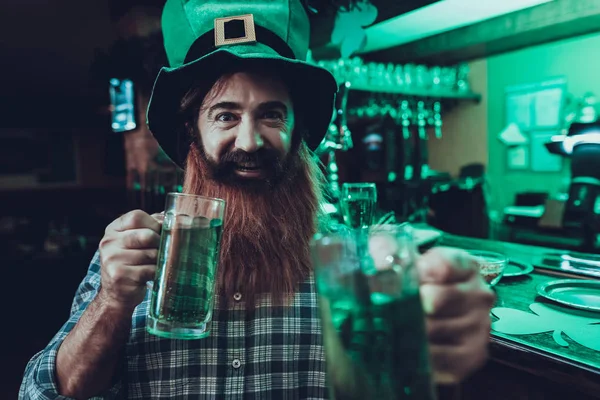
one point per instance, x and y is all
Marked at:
(372, 318)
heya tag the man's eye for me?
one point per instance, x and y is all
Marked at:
(272, 115)
(225, 117)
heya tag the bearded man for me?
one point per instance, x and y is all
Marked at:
(240, 110)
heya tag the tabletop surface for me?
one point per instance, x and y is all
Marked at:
(520, 292)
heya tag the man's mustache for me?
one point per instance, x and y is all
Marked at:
(263, 158)
(276, 166)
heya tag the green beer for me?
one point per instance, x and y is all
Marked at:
(357, 204)
(382, 347)
(183, 291)
(358, 211)
(372, 318)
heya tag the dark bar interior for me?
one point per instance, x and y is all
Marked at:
(478, 123)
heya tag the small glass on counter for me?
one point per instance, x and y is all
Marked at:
(491, 265)
(358, 202)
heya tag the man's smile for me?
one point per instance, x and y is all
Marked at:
(249, 170)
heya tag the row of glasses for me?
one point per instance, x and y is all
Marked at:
(416, 77)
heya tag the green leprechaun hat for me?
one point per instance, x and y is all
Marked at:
(202, 37)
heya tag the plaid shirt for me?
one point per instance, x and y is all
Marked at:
(276, 353)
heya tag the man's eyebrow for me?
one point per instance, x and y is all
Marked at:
(232, 105)
(223, 105)
(269, 105)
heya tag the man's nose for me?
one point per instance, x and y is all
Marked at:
(248, 138)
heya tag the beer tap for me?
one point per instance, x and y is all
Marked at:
(338, 137)
(423, 163)
(406, 115)
(437, 119)
(331, 169)
(423, 166)
(418, 198)
(422, 120)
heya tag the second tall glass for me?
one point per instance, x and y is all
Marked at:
(372, 318)
(358, 202)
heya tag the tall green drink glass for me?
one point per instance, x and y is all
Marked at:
(181, 305)
(358, 202)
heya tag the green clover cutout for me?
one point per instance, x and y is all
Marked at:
(580, 326)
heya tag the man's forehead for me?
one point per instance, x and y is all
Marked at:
(248, 85)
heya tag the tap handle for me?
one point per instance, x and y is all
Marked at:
(406, 117)
(437, 119)
(422, 119)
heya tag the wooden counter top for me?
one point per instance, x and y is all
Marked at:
(575, 367)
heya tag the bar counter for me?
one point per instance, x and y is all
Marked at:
(532, 366)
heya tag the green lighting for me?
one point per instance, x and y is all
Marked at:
(439, 17)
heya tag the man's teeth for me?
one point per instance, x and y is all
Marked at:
(248, 166)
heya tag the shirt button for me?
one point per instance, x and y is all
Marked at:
(236, 363)
(237, 296)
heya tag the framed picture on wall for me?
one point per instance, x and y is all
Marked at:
(537, 110)
(517, 158)
(548, 106)
(536, 106)
(541, 159)
(519, 109)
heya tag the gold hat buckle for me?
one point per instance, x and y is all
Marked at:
(221, 28)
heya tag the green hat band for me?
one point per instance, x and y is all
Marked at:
(205, 44)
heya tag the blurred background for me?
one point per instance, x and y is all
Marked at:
(475, 117)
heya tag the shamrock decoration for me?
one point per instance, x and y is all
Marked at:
(578, 325)
(348, 32)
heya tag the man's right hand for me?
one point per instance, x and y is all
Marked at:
(128, 254)
(87, 359)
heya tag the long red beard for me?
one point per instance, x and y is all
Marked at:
(266, 233)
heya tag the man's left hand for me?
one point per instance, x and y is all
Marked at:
(457, 305)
